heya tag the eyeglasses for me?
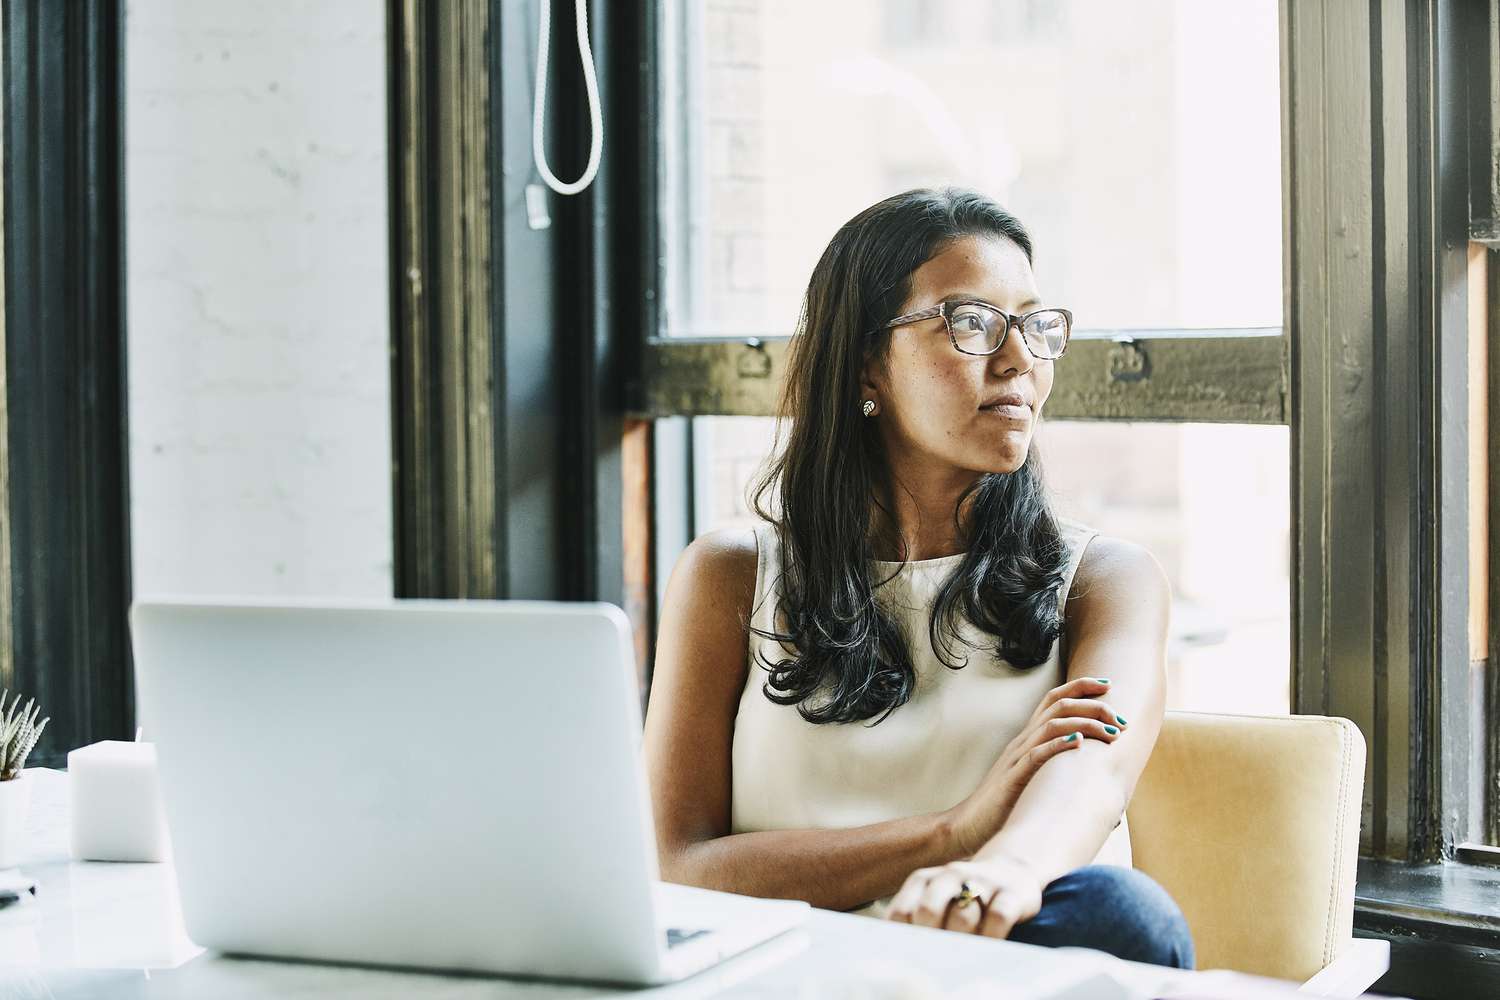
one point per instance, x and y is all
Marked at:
(976, 327)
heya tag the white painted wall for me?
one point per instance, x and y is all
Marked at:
(255, 160)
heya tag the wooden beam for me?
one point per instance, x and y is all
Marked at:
(1202, 376)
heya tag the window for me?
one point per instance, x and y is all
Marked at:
(1208, 500)
(1151, 186)
(1124, 169)
(1161, 192)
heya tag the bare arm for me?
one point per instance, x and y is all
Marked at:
(1117, 621)
(700, 672)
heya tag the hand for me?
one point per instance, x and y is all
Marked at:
(1067, 715)
(1009, 892)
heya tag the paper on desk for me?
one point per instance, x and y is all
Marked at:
(887, 979)
(1222, 984)
(1078, 984)
(1113, 979)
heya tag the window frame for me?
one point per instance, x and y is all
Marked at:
(1353, 295)
(512, 338)
(65, 577)
(1483, 33)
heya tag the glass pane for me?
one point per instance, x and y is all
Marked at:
(258, 244)
(1210, 501)
(784, 119)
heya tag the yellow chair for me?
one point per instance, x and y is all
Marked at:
(1252, 824)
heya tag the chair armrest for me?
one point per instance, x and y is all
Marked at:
(1362, 961)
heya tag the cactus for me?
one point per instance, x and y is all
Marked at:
(19, 732)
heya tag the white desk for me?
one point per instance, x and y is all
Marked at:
(98, 929)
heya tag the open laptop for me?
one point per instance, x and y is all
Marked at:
(442, 784)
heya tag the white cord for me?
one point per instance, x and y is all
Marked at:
(539, 110)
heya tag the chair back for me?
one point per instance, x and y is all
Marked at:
(1252, 824)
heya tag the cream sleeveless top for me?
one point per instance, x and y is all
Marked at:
(926, 756)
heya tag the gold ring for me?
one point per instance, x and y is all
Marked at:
(966, 895)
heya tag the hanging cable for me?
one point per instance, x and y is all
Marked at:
(539, 110)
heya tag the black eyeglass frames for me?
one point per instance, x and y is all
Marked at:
(976, 327)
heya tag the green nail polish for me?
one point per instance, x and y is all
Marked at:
(1120, 719)
(1102, 680)
(1111, 730)
(1070, 738)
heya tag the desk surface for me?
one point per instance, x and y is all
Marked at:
(99, 929)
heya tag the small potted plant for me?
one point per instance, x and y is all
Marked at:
(19, 731)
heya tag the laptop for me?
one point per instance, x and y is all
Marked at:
(451, 785)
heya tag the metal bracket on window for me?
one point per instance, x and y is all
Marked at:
(1128, 361)
(754, 362)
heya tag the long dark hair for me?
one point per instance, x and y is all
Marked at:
(829, 475)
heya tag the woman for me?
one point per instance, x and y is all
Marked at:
(907, 692)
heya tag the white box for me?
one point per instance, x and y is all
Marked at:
(117, 813)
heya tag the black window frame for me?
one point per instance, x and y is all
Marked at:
(65, 571)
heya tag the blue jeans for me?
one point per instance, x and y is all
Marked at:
(1113, 909)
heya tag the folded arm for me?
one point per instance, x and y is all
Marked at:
(1115, 626)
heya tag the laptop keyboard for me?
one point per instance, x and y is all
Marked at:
(680, 935)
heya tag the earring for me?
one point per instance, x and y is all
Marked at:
(869, 408)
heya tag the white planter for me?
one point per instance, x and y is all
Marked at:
(15, 802)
